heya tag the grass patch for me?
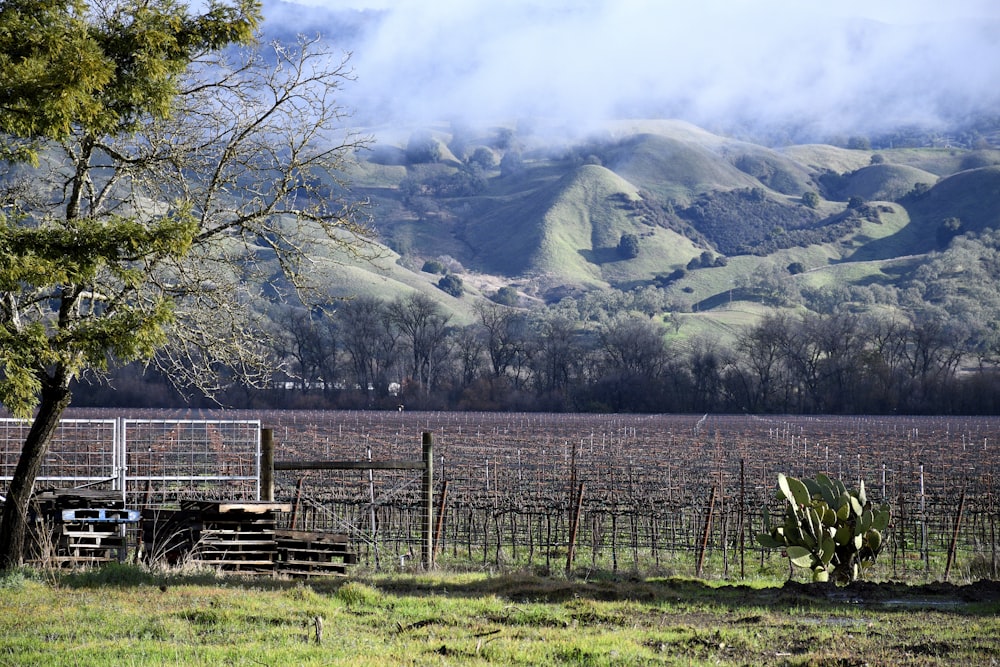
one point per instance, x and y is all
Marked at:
(468, 618)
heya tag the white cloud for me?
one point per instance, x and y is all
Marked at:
(837, 65)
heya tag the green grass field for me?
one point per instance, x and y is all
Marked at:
(127, 616)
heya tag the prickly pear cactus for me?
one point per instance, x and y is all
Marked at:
(830, 529)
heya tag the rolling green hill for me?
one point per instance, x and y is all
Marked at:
(545, 215)
(714, 218)
(883, 182)
(971, 197)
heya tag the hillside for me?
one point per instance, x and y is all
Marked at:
(545, 215)
(715, 221)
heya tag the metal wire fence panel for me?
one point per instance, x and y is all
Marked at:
(83, 452)
(168, 460)
(152, 461)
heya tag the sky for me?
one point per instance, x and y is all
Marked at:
(841, 66)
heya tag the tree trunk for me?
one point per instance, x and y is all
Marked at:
(14, 523)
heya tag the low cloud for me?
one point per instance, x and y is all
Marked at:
(826, 67)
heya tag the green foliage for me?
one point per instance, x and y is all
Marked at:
(628, 246)
(67, 261)
(859, 143)
(451, 284)
(810, 199)
(829, 529)
(434, 266)
(484, 158)
(511, 163)
(423, 148)
(506, 296)
(741, 221)
(60, 70)
(949, 229)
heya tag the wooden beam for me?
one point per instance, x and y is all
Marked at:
(349, 465)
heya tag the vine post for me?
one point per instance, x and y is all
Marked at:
(427, 516)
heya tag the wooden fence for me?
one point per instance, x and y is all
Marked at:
(425, 465)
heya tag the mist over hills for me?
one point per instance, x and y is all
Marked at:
(510, 143)
(786, 71)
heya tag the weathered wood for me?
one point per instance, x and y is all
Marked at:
(705, 534)
(574, 526)
(427, 524)
(267, 464)
(350, 465)
(222, 507)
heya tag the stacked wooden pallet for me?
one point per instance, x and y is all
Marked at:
(93, 535)
(79, 527)
(231, 536)
(237, 537)
(242, 537)
(304, 553)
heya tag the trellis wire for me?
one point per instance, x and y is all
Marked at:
(648, 481)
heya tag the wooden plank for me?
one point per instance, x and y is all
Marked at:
(336, 550)
(312, 536)
(70, 532)
(309, 570)
(235, 535)
(100, 515)
(312, 565)
(225, 507)
(349, 465)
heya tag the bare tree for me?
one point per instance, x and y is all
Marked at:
(504, 333)
(371, 341)
(423, 327)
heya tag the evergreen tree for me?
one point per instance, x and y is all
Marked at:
(163, 183)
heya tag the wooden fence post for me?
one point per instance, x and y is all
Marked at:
(267, 464)
(742, 519)
(704, 537)
(440, 518)
(574, 527)
(427, 523)
(954, 536)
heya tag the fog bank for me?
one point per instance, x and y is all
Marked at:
(844, 67)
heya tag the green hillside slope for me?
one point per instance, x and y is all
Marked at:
(673, 169)
(971, 197)
(883, 182)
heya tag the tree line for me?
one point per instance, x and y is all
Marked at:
(371, 353)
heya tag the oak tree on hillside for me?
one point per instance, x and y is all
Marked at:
(156, 169)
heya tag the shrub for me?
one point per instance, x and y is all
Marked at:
(628, 246)
(511, 163)
(452, 284)
(484, 158)
(434, 266)
(422, 147)
(506, 296)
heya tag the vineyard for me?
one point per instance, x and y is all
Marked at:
(645, 494)
(674, 494)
